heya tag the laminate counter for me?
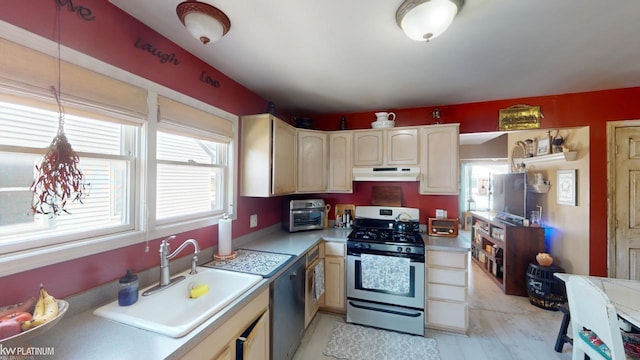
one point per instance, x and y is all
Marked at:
(82, 335)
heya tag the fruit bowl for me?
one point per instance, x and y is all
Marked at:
(31, 333)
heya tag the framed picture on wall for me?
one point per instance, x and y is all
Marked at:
(567, 187)
(544, 146)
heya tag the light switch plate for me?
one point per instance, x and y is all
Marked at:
(253, 220)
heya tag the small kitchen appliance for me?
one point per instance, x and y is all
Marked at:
(303, 215)
(385, 269)
(443, 227)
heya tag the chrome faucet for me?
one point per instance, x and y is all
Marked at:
(165, 256)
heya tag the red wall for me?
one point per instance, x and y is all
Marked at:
(591, 109)
(110, 37)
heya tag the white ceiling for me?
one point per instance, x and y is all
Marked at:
(339, 56)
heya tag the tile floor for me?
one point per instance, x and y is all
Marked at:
(502, 327)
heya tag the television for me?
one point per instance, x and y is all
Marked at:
(510, 199)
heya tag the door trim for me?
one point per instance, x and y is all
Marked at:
(611, 215)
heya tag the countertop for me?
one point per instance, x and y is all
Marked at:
(82, 335)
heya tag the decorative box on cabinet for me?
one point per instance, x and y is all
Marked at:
(504, 251)
(439, 159)
(446, 290)
(269, 156)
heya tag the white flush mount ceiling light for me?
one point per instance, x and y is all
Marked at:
(424, 20)
(205, 22)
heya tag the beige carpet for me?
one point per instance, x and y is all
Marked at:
(354, 342)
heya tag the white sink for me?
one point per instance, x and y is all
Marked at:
(172, 312)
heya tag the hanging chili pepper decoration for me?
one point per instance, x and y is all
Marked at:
(58, 178)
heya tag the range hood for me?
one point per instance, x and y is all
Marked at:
(406, 173)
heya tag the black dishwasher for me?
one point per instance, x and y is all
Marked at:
(287, 311)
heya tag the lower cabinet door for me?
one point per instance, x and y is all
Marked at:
(335, 283)
(447, 315)
(255, 345)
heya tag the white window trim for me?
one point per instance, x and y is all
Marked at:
(146, 229)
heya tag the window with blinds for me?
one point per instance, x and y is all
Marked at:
(193, 162)
(190, 177)
(107, 152)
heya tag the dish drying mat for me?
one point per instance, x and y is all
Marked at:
(256, 262)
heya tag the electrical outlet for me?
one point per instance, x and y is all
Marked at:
(253, 220)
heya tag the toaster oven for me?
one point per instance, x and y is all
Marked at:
(301, 215)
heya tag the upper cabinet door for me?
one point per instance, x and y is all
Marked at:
(368, 148)
(401, 147)
(269, 158)
(284, 158)
(439, 159)
(312, 161)
(340, 167)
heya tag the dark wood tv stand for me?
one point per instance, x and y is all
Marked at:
(504, 250)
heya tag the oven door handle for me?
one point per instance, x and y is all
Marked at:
(415, 314)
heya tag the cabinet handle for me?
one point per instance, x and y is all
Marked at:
(293, 275)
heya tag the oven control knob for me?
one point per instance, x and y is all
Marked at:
(408, 250)
(399, 248)
(368, 246)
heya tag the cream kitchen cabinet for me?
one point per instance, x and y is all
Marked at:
(221, 343)
(269, 156)
(368, 148)
(334, 254)
(439, 159)
(340, 162)
(446, 289)
(401, 146)
(397, 146)
(312, 161)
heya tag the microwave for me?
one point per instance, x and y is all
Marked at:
(299, 215)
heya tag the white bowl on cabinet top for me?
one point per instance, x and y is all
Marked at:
(172, 312)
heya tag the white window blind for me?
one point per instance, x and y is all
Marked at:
(192, 162)
(107, 153)
(190, 177)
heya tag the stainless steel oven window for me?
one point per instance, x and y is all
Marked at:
(413, 299)
(358, 282)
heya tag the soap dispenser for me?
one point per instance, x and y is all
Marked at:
(128, 289)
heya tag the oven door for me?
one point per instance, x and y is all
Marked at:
(413, 298)
(307, 219)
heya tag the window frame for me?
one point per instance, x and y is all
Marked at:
(145, 227)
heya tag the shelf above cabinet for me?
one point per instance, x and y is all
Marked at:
(563, 156)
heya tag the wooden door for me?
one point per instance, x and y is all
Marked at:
(402, 147)
(367, 148)
(284, 158)
(626, 195)
(335, 285)
(340, 165)
(256, 347)
(312, 161)
(439, 159)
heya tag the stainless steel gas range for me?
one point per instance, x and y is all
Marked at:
(385, 269)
